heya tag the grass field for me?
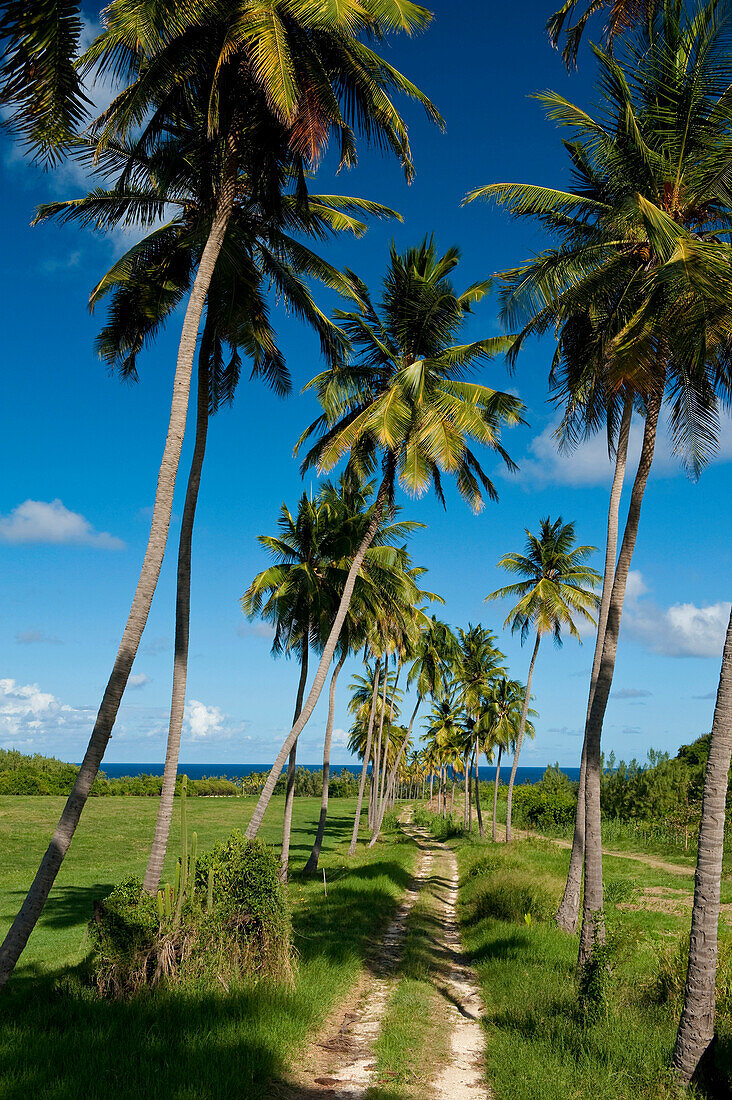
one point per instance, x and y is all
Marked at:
(540, 1046)
(60, 1043)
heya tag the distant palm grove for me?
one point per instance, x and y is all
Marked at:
(209, 157)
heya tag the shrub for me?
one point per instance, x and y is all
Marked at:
(239, 930)
(511, 897)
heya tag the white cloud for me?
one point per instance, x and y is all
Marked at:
(205, 723)
(339, 739)
(28, 715)
(682, 630)
(137, 681)
(589, 463)
(52, 522)
(35, 637)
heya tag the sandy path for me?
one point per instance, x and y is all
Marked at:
(353, 1044)
(462, 1076)
(650, 861)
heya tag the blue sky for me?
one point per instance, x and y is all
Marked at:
(81, 452)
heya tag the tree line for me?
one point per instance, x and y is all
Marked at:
(223, 114)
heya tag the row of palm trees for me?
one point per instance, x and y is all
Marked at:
(223, 113)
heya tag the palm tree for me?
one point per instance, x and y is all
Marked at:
(696, 1028)
(401, 402)
(477, 664)
(262, 90)
(373, 697)
(646, 226)
(505, 705)
(558, 587)
(145, 285)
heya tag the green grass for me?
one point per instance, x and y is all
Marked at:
(412, 1041)
(60, 1042)
(539, 1046)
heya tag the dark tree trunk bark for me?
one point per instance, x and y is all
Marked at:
(520, 738)
(696, 1028)
(327, 656)
(567, 915)
(312, 863)
(182, 625)
(592, 926)
(35, 899)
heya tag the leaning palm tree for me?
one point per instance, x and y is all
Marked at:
(558, 587)
(647, 226)
(258, 75)
(696, 1028)
(401, 403)
(145, 285)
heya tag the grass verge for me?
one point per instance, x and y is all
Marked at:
(59, 1041)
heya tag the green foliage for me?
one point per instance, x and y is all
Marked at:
(443, 828)
(511, 897)
(122, 933)
(547, 805)
(672, 962)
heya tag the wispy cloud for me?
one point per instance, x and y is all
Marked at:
(682, 630)
(589, 464)
(137, 681)
(156, 646)
(39, 521)
(631, 693)
(35, 637)
(255, 630)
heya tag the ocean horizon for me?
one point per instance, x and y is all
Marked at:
(237, 771)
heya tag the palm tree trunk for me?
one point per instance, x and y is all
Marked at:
(495, 793)
(520, 738)
(312, 863)
(567, 915)
(182, 625)
(366, 757)
(452, 793)
(478, 811)
(35, 899)
(593, 897)
(432, 783)
(470, 793)
(290, 795)
(385, 766)
(392, 775)
(327, 656)
(376, 770)
(696, 1028)
(466, 798)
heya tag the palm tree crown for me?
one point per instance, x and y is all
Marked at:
(402, 394)
(558, 586)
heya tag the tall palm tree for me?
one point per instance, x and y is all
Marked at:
(505, 705)
(401, 402)
(558, 587)
(477, 665)
(297, 76)
(145, 285)
(696, 1027)
(647, 225)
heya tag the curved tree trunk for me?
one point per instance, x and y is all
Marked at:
(182, 626)
(391, 781)
(466, 793)
(35, 899)
(366, 757)
(478, 811)
(290, 794)
(520, 738)
(326, 658)
(312, 863)
(593, 897)
(567, 915)
(385, 765)
(495, 793)
(696, 1028)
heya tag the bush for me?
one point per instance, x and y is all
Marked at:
(511, 897)
(548, 804)
(243, 932)
(442, 828)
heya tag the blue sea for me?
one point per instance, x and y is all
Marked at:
(236, 771)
